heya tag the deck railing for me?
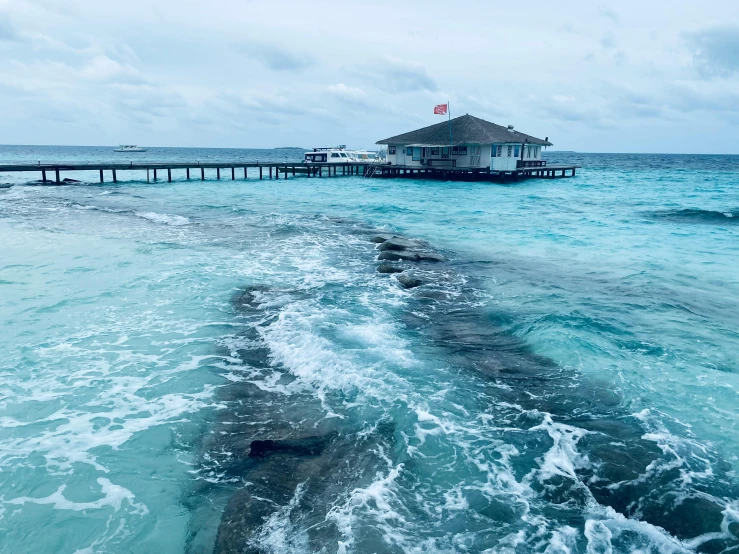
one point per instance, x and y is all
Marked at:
(530, 163)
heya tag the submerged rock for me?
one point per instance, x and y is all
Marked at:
(70, 181)
(386, 268)
(308, 446)
(299, 478)
(248, 298)
(430, 257)
(409, 280)
(380, 238)
(397, 243)
(394, 255)
(42, 182)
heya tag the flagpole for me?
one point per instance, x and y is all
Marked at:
(449, 111)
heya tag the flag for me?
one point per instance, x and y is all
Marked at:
(440, 109)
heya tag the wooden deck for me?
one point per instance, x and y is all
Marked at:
(276, 170)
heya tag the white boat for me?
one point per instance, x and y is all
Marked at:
(365, 156)
(130, 148)
(340, 155)
(331, 155)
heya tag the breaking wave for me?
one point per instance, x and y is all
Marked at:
(694, 215)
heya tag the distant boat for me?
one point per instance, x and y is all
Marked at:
(130, 148)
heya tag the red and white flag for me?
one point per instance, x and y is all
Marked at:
(440, 109)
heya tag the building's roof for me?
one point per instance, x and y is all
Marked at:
(466, 129)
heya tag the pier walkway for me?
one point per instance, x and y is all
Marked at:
(52, 173)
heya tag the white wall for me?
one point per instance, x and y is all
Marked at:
(507, 160)
(401, 157)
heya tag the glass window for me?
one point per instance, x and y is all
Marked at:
(510, 151)
(416, 154)
(409, 151)
(445, 152)
(455, 151)
(435, 151)
(343, 155)
(462, 150)
(335, 155)
(391, 149)
(517, 151)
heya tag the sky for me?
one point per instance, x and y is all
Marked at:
(626, 76)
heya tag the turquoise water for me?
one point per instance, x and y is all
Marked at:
(565, 382)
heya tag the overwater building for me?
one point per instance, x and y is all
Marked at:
(466, 142)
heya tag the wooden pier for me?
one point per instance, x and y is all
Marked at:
(52, 173)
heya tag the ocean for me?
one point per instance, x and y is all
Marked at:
(218, 366)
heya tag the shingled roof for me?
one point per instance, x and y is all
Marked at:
(466, 129)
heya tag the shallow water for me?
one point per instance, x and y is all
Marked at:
(575, 321)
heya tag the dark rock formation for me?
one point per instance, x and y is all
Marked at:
(409, 281)
(380, 238)
(309, 446)
(397, 243)
(387, 268)
(393, 255)
(430, 257)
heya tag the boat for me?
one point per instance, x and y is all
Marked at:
(339, 155)
(130, 148)
(364, 156)
(332, 155)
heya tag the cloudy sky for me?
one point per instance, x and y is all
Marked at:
(626, 76)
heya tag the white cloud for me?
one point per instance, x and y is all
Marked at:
(230, 73)
(340, 89)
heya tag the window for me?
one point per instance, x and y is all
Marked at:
(435, 151)
(462, 150)
(510, 150)
(445, 152)
(499, 152)
(423, 152)
(409, 151)
(455, 151)
(344, 155)
(391, 150)
(335, 155)
(517, 151)
(416, 154)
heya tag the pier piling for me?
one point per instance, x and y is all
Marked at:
(202, 174)
(169, 175)
(115, 177)
(101, 177)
